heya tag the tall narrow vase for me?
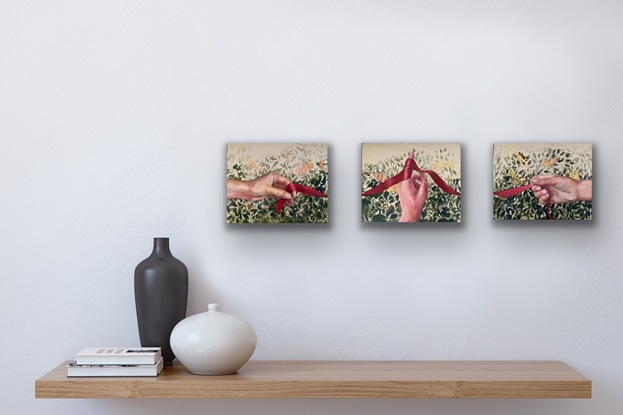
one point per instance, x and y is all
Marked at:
(161, 295)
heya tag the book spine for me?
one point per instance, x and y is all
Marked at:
(106, 370)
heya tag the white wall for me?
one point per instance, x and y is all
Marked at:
(114, 118)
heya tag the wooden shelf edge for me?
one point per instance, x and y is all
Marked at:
(336, 380)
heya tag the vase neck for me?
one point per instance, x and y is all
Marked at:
(161, 247)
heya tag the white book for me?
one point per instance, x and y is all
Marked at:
(76, 370)
(119, 356)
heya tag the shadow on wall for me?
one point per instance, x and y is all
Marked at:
(349, 406)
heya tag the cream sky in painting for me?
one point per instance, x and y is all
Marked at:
(318, 152)
(505, 149)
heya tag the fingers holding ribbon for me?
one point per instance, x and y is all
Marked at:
(292, 189)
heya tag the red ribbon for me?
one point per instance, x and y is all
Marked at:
(512, 192)
(405, 174)
(292, 187)
(516, 190)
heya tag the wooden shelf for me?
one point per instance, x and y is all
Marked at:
(336, 379)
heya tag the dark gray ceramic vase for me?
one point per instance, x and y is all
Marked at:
(161, 295)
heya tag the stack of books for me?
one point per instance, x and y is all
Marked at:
(116, 361)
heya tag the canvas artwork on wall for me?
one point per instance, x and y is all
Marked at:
(542, 181)
(411, 182)
(277, 183)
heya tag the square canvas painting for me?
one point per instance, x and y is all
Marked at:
(542, 181)
(277, 183)
(411, 182)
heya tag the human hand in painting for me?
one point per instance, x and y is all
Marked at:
(269, 185)
(412, 194)
(559, 189)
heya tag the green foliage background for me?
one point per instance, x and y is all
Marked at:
(300, 163)
(385, 207)
(517, 169)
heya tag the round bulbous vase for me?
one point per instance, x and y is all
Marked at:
(161, 296)
(213, 342)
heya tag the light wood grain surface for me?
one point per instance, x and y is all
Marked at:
(336, 379)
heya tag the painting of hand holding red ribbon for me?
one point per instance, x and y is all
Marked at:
(406, 195)
(542, 181)
(277, 183)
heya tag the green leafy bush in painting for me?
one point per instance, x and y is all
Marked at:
(385, 207)
(517, 169)
(303, 164)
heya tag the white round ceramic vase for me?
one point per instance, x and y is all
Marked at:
(213, 342)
